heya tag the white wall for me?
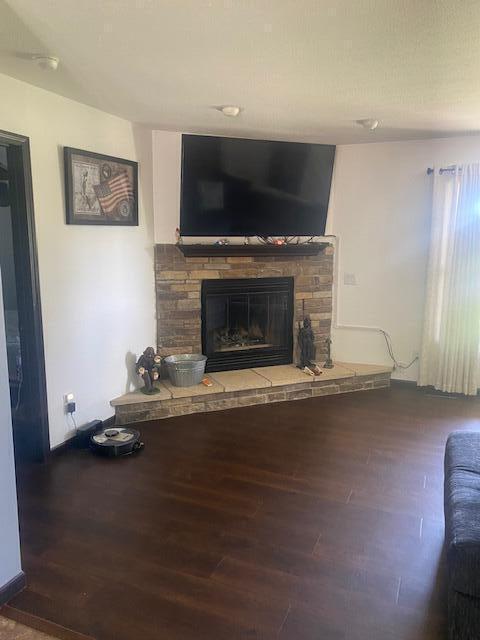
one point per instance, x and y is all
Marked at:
(380, 209)
(381, 212)
(167, 153)
(9, 540)
(97, 285)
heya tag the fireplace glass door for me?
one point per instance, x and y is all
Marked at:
(247, 322)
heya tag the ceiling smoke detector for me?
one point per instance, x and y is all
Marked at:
(47, 63)
(368, 123)
(230, 110)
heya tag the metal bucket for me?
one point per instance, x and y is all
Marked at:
(186, 369)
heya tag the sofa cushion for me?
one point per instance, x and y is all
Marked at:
(463, 451)
(462, 511)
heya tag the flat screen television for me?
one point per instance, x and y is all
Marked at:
(239, 187)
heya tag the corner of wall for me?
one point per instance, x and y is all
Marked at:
(167, 152)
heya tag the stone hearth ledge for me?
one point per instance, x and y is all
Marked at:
(245, 387)
(240, 380)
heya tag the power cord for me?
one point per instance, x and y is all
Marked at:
(388, 342)
(73, 419)
(71, 407)
(386, 335)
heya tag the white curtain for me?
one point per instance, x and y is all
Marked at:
(449, 358)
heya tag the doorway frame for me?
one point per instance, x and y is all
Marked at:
(28, 278)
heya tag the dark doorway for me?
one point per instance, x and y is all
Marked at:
(247, 322)
(21, 301)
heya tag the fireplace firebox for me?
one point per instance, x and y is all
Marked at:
(247, 322)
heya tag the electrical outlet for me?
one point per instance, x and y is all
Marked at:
(349, 278)
(69, 402)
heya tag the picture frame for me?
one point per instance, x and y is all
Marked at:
(100, 189)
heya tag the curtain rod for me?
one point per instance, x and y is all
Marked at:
(450, 169)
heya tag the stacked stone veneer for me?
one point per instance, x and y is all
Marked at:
(153, 410)
(178, 289)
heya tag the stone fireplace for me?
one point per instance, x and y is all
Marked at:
(247, 322)
(292, 286)
(251, 306)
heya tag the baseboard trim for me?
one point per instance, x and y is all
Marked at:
(61, 448)
(40, 624)
(403, 383)
(13, 586)
(429, 390)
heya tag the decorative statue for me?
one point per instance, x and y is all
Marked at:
(328, 362)
(148, 367)
(306, 344)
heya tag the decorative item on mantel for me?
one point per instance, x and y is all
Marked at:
(328, 362)
(277, 242)
(285, 240)
(252, 246)
(148, 367)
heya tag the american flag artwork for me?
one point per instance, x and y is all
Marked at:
(112, 192)
(100, 189)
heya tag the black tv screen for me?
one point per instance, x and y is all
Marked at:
(238, 187)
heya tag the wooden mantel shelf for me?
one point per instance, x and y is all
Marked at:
(213, 250)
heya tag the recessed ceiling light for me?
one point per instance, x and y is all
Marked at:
(230, 110)
(47, 63)
(368, 123)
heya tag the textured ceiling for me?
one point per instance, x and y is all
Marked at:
(300, 69)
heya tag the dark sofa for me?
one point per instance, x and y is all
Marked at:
(462, 534)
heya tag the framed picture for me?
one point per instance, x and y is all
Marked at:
(100, 189)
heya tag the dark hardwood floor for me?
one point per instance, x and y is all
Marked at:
(319, 519)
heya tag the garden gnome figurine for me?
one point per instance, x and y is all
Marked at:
(148, 367)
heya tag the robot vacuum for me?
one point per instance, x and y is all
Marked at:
(116, 441)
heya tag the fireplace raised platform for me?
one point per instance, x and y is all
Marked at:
(245, 387)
